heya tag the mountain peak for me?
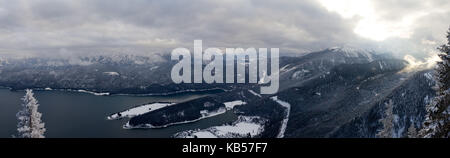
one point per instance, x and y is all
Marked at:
(348, 49)
(352, 52)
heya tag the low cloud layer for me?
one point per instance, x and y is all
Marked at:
(61, 27)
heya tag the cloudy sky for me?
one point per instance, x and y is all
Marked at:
(59, 27)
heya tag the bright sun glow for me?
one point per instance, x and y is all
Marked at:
(371, 25)
(415, 64)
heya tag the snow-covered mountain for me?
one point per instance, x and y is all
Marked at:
(124, 74)
(409, 100)
(336, 92)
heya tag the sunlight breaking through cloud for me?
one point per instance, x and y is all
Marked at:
(415, 64)
(370, 24)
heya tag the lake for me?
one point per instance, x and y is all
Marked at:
(82, 115)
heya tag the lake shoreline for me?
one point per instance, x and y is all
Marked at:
(182, 92)
(81, 115)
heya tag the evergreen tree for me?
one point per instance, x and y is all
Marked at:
(412, 131)
(30, 124)
(437, 121)
(387, 121)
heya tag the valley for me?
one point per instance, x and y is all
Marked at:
(336, 92)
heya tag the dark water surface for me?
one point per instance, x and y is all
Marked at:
(73, 114)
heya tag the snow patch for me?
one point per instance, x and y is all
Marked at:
(93, 93)
(232, 104)
(204, 134)
(263, 79)
(381, 65)
(112, 73)
(245, 126)
(353, 52)
(74, 90)
(207, 113)
(429, 76)
(154, 68)
(286, 69)
(286, 118)
(138, 110)
(254, 93)
(299, 74)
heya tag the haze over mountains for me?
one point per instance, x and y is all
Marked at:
(336, 92)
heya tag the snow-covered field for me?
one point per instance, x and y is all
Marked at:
(245, 126)
(138, 110)
(204, 134)
(286, 118)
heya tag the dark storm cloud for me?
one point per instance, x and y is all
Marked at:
(155, 26)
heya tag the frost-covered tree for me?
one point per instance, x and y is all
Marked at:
(30, 124)
(437, 121)
(387, 121)
(412, 131)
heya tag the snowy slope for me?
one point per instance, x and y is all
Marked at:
(138, 110)
(245, 126)
(286, 118)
